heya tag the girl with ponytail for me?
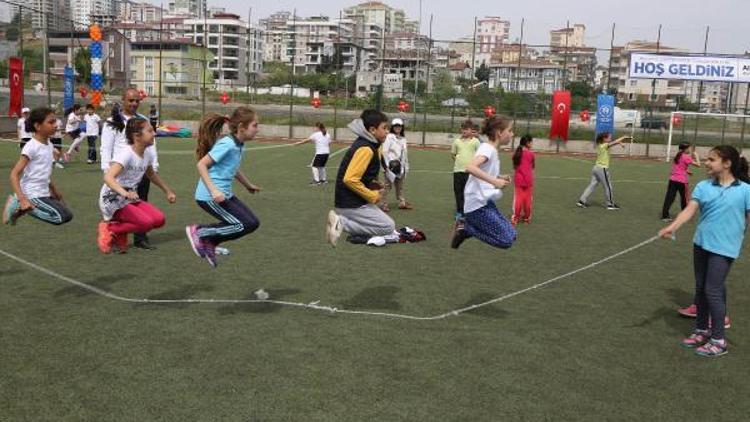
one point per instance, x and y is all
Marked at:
(523, 180)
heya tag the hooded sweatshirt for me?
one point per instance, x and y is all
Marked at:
(358, 169)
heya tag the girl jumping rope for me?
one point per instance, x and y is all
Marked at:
(122, 209)
(600, 172)
(679, 178)
(724, 204)
(523, 180)
(30, 178)
(219, 160)
(482, 218)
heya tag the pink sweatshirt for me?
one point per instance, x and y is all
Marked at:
(524, 174)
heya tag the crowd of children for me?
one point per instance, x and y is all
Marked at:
(129, 161)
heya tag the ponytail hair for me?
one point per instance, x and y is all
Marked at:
(116, 120)
(681, 150)
(494, 124)
(209, 131)
(739, 167)
(321, 127)
(135, 126)
(525, 140)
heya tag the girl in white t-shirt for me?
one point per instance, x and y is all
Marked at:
(56, 140)
(482, 219)
(396, 165)
(90, 133)
(122, 210)
(73, 129)
(322, 141)
(30, 178)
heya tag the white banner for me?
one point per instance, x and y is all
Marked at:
(703, 68)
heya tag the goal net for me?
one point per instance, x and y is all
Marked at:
(707, 129)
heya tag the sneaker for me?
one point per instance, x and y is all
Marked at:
(613, 207)
(582, 204)
(712, 349)
(195, 241)
(11, 211)
(459, 235)
(89, 161)
(333, 228)
(104, 237)
(209, 252)
(59, 165)
(121, 242)
(697, 339)
(666, 220)
(218, 250)
(313, 183)
(690, 311)
(405, 206)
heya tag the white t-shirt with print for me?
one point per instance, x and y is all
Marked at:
(73, 123)
(479, 193)
(112, 141)
(92, 124)
(22, 129)
(36, 175)
(322, 143)
(133, 170)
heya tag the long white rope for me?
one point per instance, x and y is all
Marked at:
(316, 304)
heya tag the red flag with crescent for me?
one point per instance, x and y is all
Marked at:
(15, 79)
(560, 115)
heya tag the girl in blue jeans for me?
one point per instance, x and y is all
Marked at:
(482, 219)
(724, 203)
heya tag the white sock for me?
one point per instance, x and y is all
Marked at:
(322, 172)
(75, 144)
(316, 177)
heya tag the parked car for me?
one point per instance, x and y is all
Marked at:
(653, 122)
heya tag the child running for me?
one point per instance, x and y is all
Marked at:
(73, 129)
(462, 151)
(679, 179)
(724, 203)
(524, 163)
(322, 141)
(23, 135)
(482, 219)
(357, 188)
(30, 178)
(395, 154)
(92, 132)
(600, 172)
(122, 210)
(219, 160)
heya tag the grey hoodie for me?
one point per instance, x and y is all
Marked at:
(359, 129)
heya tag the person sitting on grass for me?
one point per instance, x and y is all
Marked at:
(30, 178)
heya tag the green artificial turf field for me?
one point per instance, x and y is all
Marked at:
(599, 345)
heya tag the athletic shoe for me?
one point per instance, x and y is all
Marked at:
(690, 311)
(712, 349)
(333, 228)
(582, 204)
(11, 211)
(195, 241)
(210, 254)
(666, 220)
(613, 207)
(218, 250)
(121, 242)
(59, 165)
(697, 339)
(405, 206)
(459, 235)
(105, 237)
(324, 182)
(313, 183)
(89, 161)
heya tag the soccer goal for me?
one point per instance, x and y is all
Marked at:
(707, 129)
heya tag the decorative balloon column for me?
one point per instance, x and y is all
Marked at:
(97, 78)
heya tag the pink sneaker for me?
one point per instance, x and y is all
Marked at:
(690, 312)
(697, 339)
(712, 349)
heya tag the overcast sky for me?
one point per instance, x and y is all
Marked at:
(684, 22)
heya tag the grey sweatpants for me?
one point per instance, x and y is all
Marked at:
(366, 220)
(599, 175)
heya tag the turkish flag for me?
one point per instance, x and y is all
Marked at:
(560, 115)
(15, 78)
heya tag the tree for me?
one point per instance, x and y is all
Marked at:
(331, 63)
(12, 29)
(82, 65)
(443, 85)
(580, 89)
(483, 73)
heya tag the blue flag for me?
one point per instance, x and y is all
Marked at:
(69, 82)
(605, 114)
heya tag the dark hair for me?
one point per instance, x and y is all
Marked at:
(739, 167)
(37, 115)
(495, 123)
(135, 126)
(373, 118)
(601, 137)
(75, 107)
(90, 106)
(116, 120)
(468, 124)
(403, 130)
(321, 127)
(524, 142)
(681, 150)
(213, 124)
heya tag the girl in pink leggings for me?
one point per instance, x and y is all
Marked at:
(123, 212)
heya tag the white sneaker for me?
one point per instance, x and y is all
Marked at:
(333, 228)
(59, 165)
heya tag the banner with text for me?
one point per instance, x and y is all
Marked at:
(695, 68)
(605, 114)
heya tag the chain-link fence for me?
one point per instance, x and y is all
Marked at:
(186, 67)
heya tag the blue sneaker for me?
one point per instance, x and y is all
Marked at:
(11, 210)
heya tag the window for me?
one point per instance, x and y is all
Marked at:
(631, 96)
(213, 40)
(633, 83)
(178, 90)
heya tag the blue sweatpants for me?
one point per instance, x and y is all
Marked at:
(490, 226)
(236, 220)
(50, 210)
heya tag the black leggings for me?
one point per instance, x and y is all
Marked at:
(459, 183)
(672, 190)
(236, 219)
